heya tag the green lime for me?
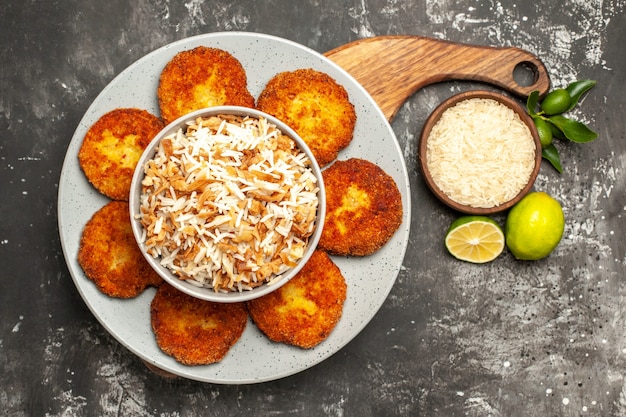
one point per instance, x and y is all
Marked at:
(476, 239)
(534, 226)
(556, 102)
(544, 130)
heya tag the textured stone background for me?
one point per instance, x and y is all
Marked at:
(546, 338)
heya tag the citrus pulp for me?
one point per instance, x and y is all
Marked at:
(476, 239)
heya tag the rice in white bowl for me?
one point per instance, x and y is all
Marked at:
(229, 203)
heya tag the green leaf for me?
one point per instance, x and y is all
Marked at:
(573, 130)
(532, 101)
(551, 154)
(556, 132)
(577, 89)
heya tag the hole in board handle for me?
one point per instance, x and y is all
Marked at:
(525, 74)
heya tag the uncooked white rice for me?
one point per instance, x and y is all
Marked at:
(228, 204)
(480, 153)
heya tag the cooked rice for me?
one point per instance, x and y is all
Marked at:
(480, 153)
(228, 204)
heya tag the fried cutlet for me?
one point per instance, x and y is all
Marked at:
(112, 147)
(195, 331)
(201, 77)
(109, 254)
(363, 208)
(315, 106)
(304, 311)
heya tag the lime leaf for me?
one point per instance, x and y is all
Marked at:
(577, 89)
(556, 132)
(532, 102)
(551, 154)
(573, 130)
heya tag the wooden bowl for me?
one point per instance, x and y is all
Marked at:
(435, 117)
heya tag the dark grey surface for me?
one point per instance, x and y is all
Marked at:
(510, 338)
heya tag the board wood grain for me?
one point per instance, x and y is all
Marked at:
(392, 68)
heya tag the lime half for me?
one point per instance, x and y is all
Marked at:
(476, 239)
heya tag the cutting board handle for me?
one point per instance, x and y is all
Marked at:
(392, 68)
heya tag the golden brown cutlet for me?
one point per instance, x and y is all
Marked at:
(109, 254)
(201, 77)
(314, 105)
(305, 310)
(195, 331)
(363, 208)
(112, 146)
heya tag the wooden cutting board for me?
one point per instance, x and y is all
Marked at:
(392, 68)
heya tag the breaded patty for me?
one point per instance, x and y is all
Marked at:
(112, 146)
(305, 310)
(314, 105)
(195, 331)
(109, 254)
(363, 208)
(201, 77)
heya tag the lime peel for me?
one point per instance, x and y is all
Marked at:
(475, 239)
(534, 226)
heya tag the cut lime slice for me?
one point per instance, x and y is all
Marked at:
(476, 239)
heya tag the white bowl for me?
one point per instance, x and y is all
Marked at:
(207, 293)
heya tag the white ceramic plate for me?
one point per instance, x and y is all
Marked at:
(254, 358)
